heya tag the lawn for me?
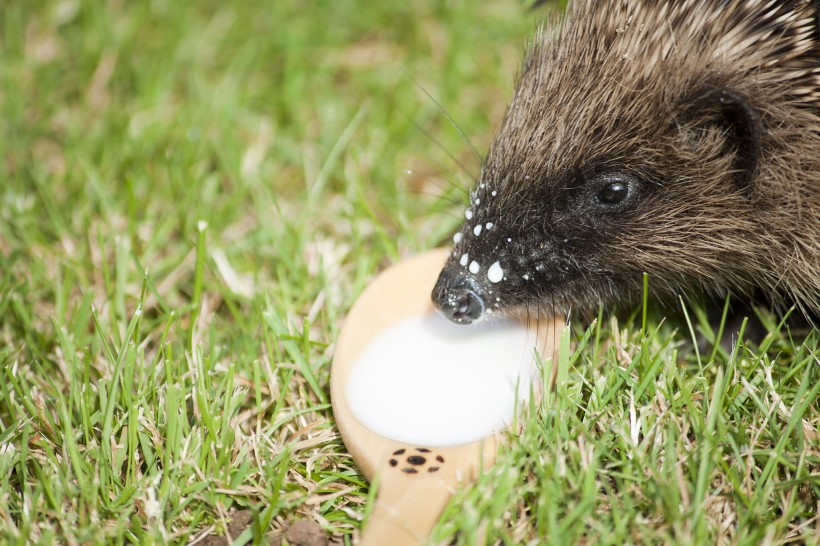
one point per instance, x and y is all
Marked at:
(191, 197)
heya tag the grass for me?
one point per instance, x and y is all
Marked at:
(192, 196)
(644, 442)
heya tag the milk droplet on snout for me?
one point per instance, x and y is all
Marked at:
(495, 273)
(427, 381)
(468, 214)
(457, 237)
(464, 259)
(474, 267)
(477, 230)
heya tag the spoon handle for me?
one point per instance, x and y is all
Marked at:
(414, 485)
(406, 509)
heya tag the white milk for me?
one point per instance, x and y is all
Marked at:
(430, 382)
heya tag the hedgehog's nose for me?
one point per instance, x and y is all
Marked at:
(457, 298)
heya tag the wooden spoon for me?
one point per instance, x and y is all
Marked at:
(414, 481)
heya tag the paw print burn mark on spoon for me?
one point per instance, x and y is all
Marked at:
(417, 463)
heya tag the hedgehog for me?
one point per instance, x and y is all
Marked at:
(676, 139)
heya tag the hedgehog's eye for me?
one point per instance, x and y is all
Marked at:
(613, 192)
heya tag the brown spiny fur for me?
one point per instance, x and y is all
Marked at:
(711, 108)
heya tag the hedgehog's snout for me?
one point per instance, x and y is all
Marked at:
(458, 297)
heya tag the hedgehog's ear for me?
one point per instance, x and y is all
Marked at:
(733, 113)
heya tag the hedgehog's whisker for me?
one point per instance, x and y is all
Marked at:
(471, 176)
(452, 122)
